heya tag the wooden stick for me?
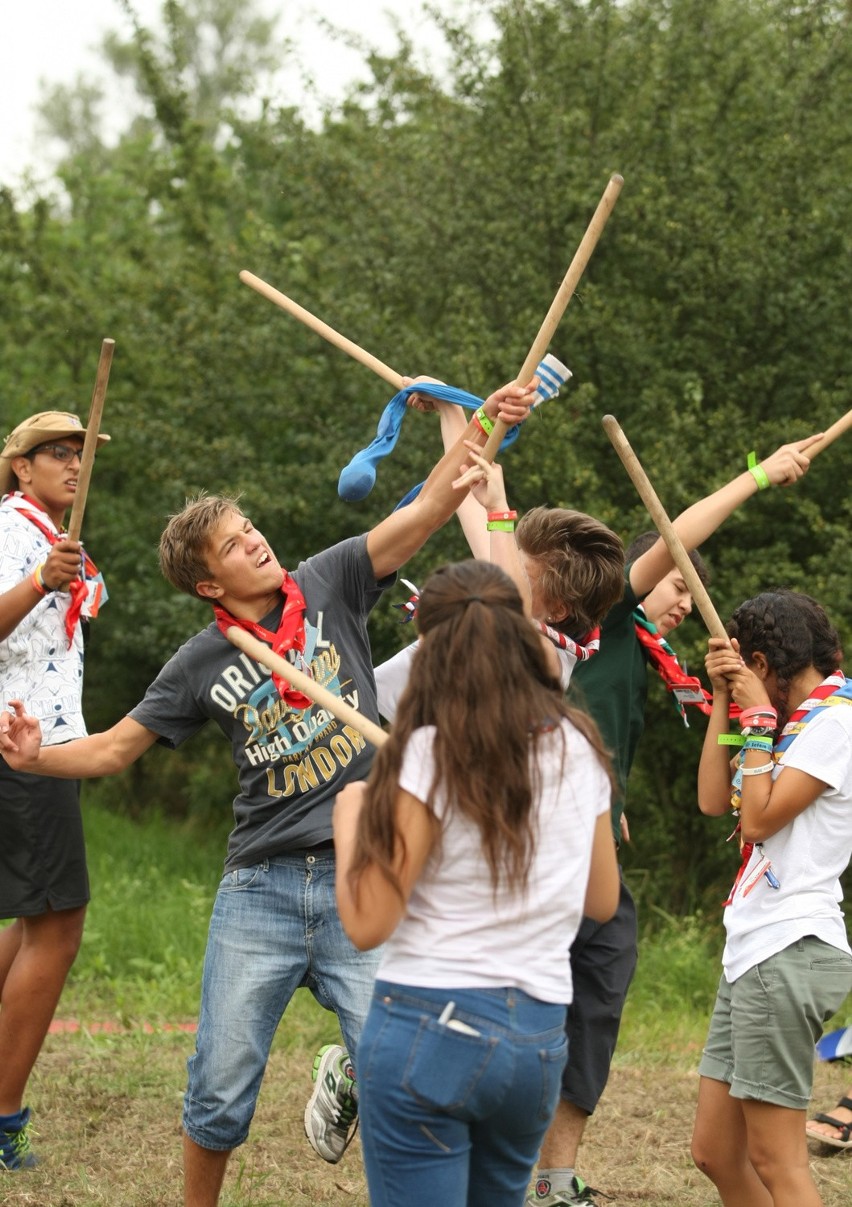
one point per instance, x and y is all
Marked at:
(563, 296)
(664, 525)
(837, 429)
(323, 329)
(90, 441)
(304, 683)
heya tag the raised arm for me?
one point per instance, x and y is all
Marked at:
(470, 511)
(714, 768)
(85, 758)
(784, 467)
(61, 566)
(395, 539)
(488, 495)
(767, 804)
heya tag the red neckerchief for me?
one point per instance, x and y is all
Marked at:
(77, 588)
(582, 649)
(290, 635)
(687, 689)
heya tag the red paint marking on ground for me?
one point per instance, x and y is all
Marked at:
(71, 1026)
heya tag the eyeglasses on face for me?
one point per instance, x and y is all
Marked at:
(61, 452)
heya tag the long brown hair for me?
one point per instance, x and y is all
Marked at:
(480, 677)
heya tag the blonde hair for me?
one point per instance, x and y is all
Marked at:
(185, 543)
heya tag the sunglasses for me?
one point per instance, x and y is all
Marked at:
(60, 452)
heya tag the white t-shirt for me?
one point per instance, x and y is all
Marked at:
(808, 856)
(392, 676)
(456, 933)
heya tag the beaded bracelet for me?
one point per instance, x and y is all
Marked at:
(483, 422)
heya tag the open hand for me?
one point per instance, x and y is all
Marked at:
(20, 737)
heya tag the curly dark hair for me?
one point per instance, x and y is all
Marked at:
(481, 678)
(793, 633)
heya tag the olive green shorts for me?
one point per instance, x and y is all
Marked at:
(765, 1025)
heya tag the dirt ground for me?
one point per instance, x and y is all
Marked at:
(107, 1111)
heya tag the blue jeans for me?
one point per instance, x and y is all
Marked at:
(453, 1118)
(274, 928)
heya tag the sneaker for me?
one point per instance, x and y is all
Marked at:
(579, 1193)
(332, 1111)
(15, 1149)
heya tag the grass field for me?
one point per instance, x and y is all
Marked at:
(106, 1103)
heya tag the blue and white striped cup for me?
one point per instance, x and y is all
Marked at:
(552, 375)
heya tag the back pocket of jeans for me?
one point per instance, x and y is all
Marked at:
(553, 1061)
(445, 1066)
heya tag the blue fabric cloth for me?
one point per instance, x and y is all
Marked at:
(359, 476)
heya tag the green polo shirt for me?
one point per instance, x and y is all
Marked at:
(613, 688)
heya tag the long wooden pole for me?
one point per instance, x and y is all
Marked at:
(334, 337)
(664, 526)
(304, 683)
(90, 441)
(560, 302)
(837, 429)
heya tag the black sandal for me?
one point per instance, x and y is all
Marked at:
(844, 1140)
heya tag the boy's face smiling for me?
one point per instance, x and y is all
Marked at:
(245, 575)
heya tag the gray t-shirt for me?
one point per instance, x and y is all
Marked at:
(291, 765)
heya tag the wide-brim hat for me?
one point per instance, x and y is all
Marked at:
(46, 425)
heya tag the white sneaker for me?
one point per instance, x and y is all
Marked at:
(331, 1115)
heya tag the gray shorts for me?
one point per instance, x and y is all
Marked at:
(765, 1025)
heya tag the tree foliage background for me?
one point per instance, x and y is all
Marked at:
(432, 221)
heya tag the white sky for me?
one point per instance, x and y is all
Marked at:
(55, 41)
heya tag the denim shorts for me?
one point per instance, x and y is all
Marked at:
(764, 1025)
(451, 1116)
(274, 928)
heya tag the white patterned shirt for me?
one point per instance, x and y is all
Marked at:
(36, 664)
